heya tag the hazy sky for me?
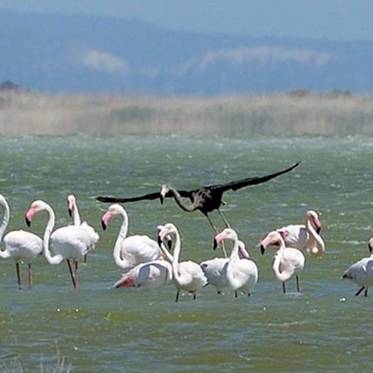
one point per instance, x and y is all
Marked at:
(332, 19)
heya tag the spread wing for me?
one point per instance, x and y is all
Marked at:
(149, 196)
(234, 185)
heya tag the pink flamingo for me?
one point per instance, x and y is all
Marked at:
(19, 245)
(70, 242)
(287, 262)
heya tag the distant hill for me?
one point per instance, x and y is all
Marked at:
(54, 53)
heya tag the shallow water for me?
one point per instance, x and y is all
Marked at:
(325, 328)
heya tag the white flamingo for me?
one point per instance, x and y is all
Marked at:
(19, 245)
(72, 207)
(287, 261)
(132, 250)
(147, 275)
(242, 274)
(305, 237)
(361, 272)
(216, 269)
(187, 275)
(70, 242)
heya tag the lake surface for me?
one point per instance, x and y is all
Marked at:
(98, 329)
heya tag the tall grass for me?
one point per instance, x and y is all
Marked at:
(31, 113)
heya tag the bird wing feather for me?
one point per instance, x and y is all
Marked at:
(238, 184)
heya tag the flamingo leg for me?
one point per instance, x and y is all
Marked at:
(76, 273)
(71, 273)
(18, 276)
(366, 292)
(360, 290)
(29, 276)
(227, 225)
(284, 287)
(235, 294)
(177, 295)
(85, 258)
(297, 280)
(216, 232)
(194, 296)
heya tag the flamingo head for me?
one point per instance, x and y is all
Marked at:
(314, 218)
(163, 192)
(273, 238)
(112, 211)
(163, 236)
(71, 204)
(226, 234)
(35, 207)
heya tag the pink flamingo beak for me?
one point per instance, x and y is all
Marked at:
(29, 215)
(264, 244)
(105, 220)
(218, 238)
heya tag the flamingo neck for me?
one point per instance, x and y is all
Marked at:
(56, 259)
(315, 243)
(176, 256)
(118, 243)
(76, 216)
(4, 254)
(282, 276)
(178, 199)
(6, 217)
(169, 257)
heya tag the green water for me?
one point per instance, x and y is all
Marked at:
(326, 328)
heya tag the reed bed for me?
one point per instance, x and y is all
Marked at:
(24, 113)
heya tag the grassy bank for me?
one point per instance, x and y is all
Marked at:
(30, 113)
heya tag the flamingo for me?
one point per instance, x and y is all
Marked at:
(70, 242)
(305, 237)
(361, 272)
(19, 245)
(216, 269)
(287, 262)
(147, 275)
(132, 250)
(74, 212)
(187, 275)
(241, 274)
(204, 199)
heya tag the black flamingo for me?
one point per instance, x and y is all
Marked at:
(204, 199)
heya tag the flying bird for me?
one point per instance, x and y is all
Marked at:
(205, 199)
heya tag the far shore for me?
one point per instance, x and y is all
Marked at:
(23, 113)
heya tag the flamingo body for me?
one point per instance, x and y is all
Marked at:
(89, 235)
(304, 237)
(188, 275)
(215, 271)
(133, 250)
(19, 245)
(361, 272)
(71, 242)
(147, 275)
(287, 261)
(23, 245)
(241, 273)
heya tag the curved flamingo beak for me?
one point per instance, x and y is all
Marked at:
(105, 220)
(218, 238)
(214, 244)
(29, 215)
(262, 249)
